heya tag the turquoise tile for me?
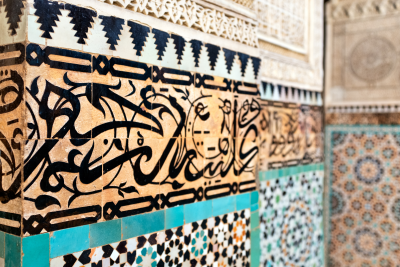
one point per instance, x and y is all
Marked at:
(104, 233)
(223, 205)
(254, 207)
(2, 245)
(69, 240)
(12, 250)
(198, 211)
(254, 197)
(254, 220)
(36, 250)
(174, 217)
(143, 224)
(255, 250)
(243, 201)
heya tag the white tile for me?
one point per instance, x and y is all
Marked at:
(64, 35)
(97, 40)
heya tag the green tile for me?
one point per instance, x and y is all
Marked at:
(198, 211)
(104, 233)
(143, 224)
(36, 251)
(254, 220)
(12, 251)
(243, 201)
(174, 217)
(223, 205)
(2, 245)
(69, 241)
(255, 250)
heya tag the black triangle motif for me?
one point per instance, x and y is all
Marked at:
(196, 48)
(243, 59)
(229, 57)
(112, 27)
(139, 35)
(161, 42)
(82, 18)
(179, 43)
(48, 13)
(14, 12)
(212, 54)
(256, 65)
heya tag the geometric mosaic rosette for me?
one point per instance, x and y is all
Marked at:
(291, 220)
(365, 197)
(217, 241)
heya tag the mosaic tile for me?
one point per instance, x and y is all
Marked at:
(224, 239)
(291, 229)
(364, 200)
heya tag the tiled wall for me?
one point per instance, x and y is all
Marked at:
(291, 215)
(126, 144)
(363, 167)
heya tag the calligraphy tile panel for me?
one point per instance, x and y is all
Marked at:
(290, 135)
(364, 172)
(108, 138)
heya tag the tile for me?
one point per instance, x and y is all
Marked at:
(78, 239)
(254, 197)
(104, 233)
(143, 224)
(174, 217)
(209, 241)
(288, 204)
(254, 220)
(73, 197)
(2, 244)
(255, 248)
(12, 251)
(36, 251)
(242, 201)
(223, 205)
(363, 180)
(198, 211)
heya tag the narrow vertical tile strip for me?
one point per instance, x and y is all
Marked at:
(13, 251)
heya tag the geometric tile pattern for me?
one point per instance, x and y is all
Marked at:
(291, 222)
(276, 92)
(217, 241)
(84, 29)
(364, 177)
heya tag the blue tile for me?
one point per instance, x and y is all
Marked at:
(254, 220)
(243, 201)
(254, 207)
(36, 251)
(223, 205)
(2, 245)
(143, 224)
(12, 251)
(105, 233)
(174, 217)
(69, 241)
(198, 211)
(254, 197)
